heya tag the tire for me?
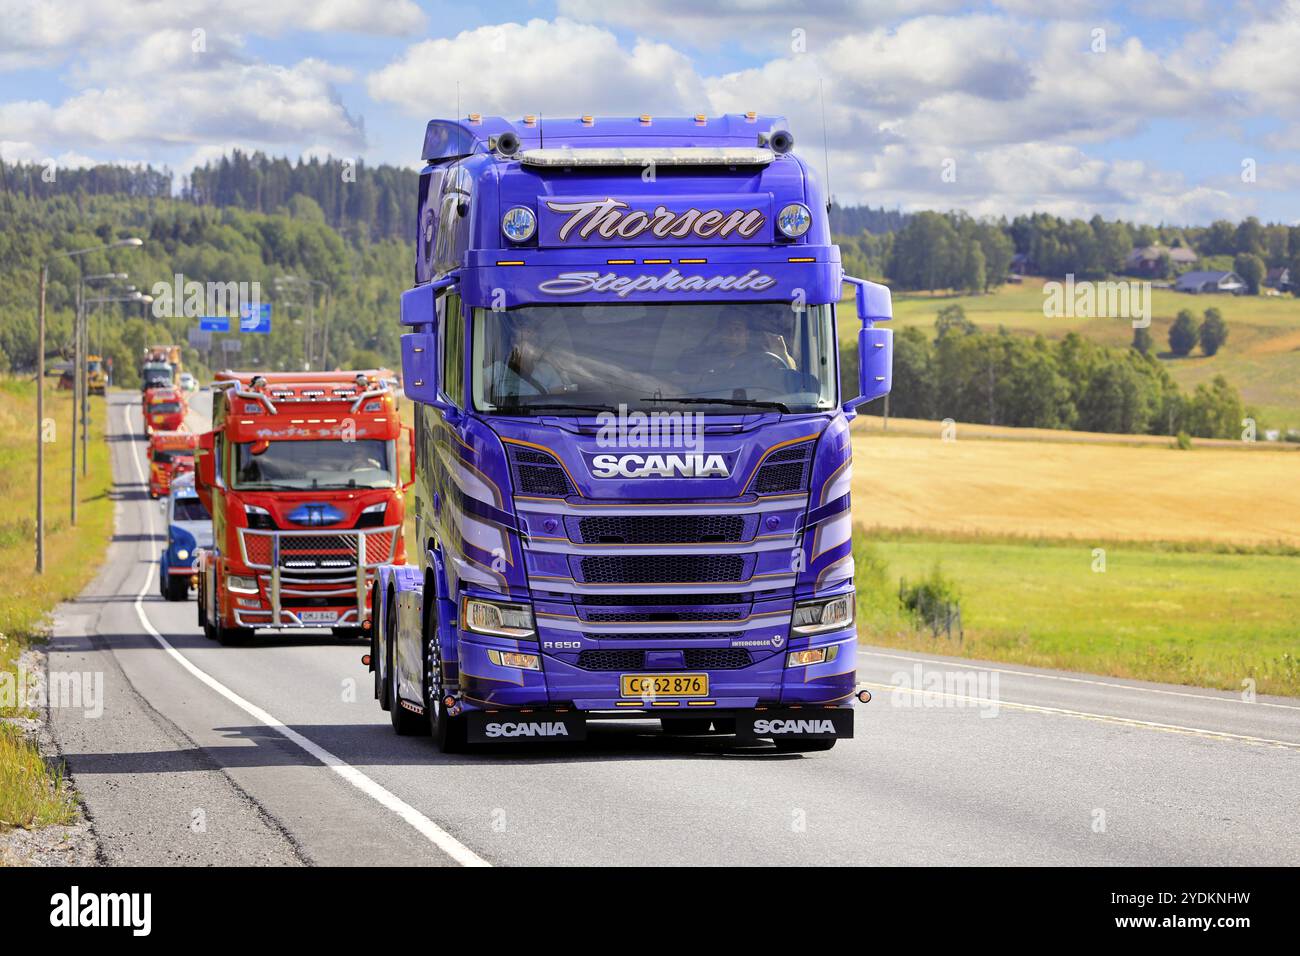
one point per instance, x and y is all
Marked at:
(346, 635)
(814, 745)
(177, 588)
(685, 725)
(406, 723)
(450, 733)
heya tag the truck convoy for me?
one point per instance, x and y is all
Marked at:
(632, 454)
(189, 528)
(171, 453)
(160, 366)
(300, 475)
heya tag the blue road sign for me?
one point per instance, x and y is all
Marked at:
(259, 321)
(214, 323)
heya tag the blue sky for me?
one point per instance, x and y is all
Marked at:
(1165, 110)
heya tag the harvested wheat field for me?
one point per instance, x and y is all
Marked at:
(1069, 485)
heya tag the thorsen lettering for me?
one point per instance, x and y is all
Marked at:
(608, 219)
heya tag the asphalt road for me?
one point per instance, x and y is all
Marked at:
(276, 753)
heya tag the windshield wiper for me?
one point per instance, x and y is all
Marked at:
(552, 406)
(742, 402)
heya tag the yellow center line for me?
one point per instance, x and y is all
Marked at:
(1084, 715)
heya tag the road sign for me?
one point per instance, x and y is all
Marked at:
(258, 321)
(214, 323)
(199, 338)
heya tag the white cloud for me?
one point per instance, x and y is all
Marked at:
(550, 67)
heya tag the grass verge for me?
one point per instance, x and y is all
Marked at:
(32, 794)
(1205, 618)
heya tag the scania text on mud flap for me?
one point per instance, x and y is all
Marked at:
(633, 458)
(300, 475)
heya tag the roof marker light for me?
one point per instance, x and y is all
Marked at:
(588, 119)
(700, 119)
(645, 119)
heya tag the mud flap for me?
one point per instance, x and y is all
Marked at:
(791, 724)
(508, 727)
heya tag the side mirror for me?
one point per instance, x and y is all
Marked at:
(205, 461)
(875, 346)
(420, 348)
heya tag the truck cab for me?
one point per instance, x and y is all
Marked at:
(171, 453)
(633, 458)
(189, 529)
(300, 474)
(163, 410)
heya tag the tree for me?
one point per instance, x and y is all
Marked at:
(1251, 269)
(913, 394)
(1214, 411)
(1183, 333)
(952, 319)
(1142, 340)
(1213, 332)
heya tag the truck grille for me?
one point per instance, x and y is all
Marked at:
(658, 529)
(538, 473)
(660, 616)
(696, 658)
(663, 636)
(784, 471)
(662, 568)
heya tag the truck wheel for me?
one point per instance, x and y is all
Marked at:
(177, 588)
(804, 746)
(685, 725)
(406, 723)
(449, 732)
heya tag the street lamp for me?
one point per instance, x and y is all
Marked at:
(129, 294)
(294, 283)
(40, 395)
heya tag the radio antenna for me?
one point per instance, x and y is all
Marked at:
(826, 149)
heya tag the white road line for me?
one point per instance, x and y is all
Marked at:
(1084, 715)
(426, 827)
(1081, 680)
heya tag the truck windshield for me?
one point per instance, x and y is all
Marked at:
(189, 509)
(163, 457)
(539, 359)
(314, 464)
(164, 408)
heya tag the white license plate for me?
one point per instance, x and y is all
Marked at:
(319, 617)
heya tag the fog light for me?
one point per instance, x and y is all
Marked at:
(245, 602)
(528, 662)
(794, 220)
(817, 655)
(182, 554)
(519, 223)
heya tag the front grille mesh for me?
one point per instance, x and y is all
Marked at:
(785, 471)
(659, 529)
(661, 616)
(662, 568)
(663, 636)
(695, 658)
(538, 474)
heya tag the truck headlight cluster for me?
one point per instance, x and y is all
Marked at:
(242, 584)
(794, 220)
(519, 223)
(826, 614)
(496, 618)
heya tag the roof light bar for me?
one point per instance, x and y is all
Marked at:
(642, 156)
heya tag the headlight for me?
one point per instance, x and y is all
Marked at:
(181, 554)
(519, 224)
(528, 662)
(827, 614)
(794, 220)
(242, 584)
(496, 618)
(818, 655)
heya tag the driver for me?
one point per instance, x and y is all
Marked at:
(734, 354)
(526, 370)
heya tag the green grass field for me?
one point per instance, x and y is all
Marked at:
(1204, 618)
(31, 794)
(1261, 357)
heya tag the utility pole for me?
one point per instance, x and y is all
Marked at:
(76, 398)
(40, 427)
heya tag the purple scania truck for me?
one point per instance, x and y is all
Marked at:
(632, 454)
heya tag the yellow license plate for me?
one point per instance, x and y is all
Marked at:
(665, 685)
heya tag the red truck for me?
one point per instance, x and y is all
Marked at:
(163, 410)
(171, 453)
(300, 475)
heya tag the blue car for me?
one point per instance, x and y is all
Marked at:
(189, 527)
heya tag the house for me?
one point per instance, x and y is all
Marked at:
(1145, 260)
(1215, 281)
(1022, 265)
(1279, 278)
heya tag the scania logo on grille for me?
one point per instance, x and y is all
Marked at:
(660, 466)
